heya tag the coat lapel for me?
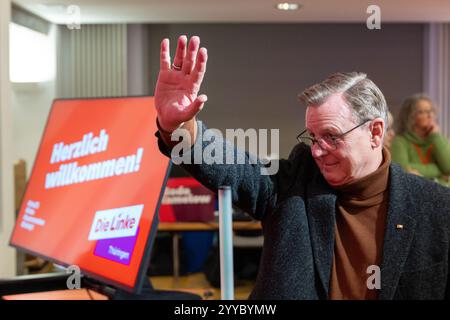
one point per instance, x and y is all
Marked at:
(398, 235)
(397, 240)
(321, 207)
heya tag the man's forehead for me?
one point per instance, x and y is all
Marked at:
(333, 103)
(333, 113)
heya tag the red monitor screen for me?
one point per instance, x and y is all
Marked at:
(96, 184)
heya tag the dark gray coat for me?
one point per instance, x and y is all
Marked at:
(297, 210)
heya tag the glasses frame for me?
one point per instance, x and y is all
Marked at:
(335, 138)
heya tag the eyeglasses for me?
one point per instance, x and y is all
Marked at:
(327, 142)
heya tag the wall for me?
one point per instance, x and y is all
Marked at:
(30, 106)
(7, 255)
(437, 70)
(138, 60)
(92, 61)
(31, 103)
(255, 71)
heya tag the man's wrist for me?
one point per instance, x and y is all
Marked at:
(166, 136)
(158, 125)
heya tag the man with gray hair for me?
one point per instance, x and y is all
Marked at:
(340, 221)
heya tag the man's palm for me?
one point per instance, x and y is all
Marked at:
(176, 94)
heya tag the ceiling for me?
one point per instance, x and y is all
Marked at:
(237, 11)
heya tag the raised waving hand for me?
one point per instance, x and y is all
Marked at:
(176, 95)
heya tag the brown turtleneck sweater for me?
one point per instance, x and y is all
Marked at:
(361, 211)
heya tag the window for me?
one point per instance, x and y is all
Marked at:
(32, 55)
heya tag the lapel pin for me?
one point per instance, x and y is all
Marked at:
(398, 226)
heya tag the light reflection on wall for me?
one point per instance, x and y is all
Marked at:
(32, 55)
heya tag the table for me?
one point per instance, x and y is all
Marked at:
(79, 294)
(177, 227)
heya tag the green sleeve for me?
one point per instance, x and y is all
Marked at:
(399, 153)
(441, 152)
(430, 170)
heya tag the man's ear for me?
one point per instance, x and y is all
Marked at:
(376, 129)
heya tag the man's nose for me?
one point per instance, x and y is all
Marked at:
(317, 151)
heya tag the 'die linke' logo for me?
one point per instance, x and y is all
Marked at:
(71, 173)
(118, 223)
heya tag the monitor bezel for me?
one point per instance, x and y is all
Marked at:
(142, 270)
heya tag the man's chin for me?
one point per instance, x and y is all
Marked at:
(333, 179)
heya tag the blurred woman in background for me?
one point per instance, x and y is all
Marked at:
(419, 147)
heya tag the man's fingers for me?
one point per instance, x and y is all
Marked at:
(200, 67)
(165, 55)
(181, 52)
(191, 54)
(195, 107)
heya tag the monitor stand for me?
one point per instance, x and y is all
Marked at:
(149, 293)
(58, 281)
